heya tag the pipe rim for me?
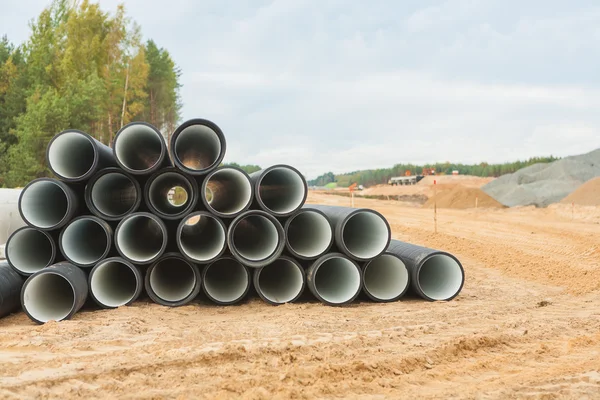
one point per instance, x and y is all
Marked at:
(189, 297)
(157, 221)
(348, 261)
(95, 161)
(159, 161)
(64, 220)
(181, 247)
(89, 188)
(35, 276)
(264, 206)
(237, 299)
(388, 299)
(192, 193)
(364, 257)
(198, 121)
(457, 264)
(105, 227)
(290, 247)
(210, 207)
(135, 271)
(8, 252)
(269, 300)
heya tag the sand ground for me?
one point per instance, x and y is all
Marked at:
(527, 325)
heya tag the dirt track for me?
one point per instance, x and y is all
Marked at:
(527, 324)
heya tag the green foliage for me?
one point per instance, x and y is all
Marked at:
(247, 168)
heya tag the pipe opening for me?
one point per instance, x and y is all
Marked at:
(138, 147)
(30, 250)
(48, 297)
(114, 194)
(113, 284)
(230, 191)
(309, 234)
(85, 241)
(386, 277)
(172, 279)
(198, 147)
(140, 238)
(170, 193)
(226, 280)
(280, 282)
(44, 204)
(177, 196)
(365, 234)
(282, 190)
(71, 155)
(337, 280)
(255, 237)
(202, 238)
(440, 277)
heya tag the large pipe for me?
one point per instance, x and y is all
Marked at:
(115, 282)
(308, 234)
(48, 204)
(334, 279)
(9, 209)
(385, 278)
(360, 233)
(227, 192)
(197, 146)
(55, 293)
(140, 149)
(280, 190)
(280, 282)
(172, 281)
(111, 194)
(141, 238)
(255, 238)
(29, 250)
(171, 194)
(201, 237)
(86, 240)
(226, 281)
(74, 156)
(10, 289)
(434, 275)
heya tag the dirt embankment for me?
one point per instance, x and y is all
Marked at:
(460, 197)
(587, 194)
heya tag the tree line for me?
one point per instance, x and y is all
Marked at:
(80, 68)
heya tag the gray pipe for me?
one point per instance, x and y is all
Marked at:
(280, 282)
(86, 240)
(197, 146)
(55, 293)
(360, 233)
(172, 281)
(201, 237)
(140, 149)
(308, 234)
(255, 238)
(226, 281)
(434, 274)
(334, 279)
(29, 250)
(74, 156)
(48, 204)
(385, 278)
(141, 238)
(280, 190)
(9, 209)
(111, 194)
(115, 282)
(159, 187)
(10, 289)
(227, 192)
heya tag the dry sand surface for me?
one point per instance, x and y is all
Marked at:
(587, 194)
(527, 325)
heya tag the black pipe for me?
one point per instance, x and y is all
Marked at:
(201, 237)
(10, 289)
(111, 194)
(434, 275)
(74, 156)
(334, 279)
(280, 189)
(385, 278)
(48, 204)
(115, 282)
(86, 240)
(197, 146)
(140, 149)
(163, 188)
(226, 281)
(29, 250)
(172, 281)
(227, 192)
(308, 234)
(280, 282)
(55, 293)
(141, 238)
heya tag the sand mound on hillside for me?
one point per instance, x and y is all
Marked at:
(587, 194)
(461, 197)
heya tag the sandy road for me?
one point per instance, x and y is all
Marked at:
(527, 324)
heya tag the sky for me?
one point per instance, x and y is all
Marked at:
(342, 85)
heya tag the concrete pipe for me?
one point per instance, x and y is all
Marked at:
(227, 192)
(29, 250)
(197, 146)
(280, 190)
(334, 279)
(111, 194)
(226, 281)
(360, 233)
(435, 275)
(48, 204)
(385, 278)
(308, 234)
(141, 238)
(255, 238)
(172, 281)
(140, 149)
(10, 289)
(86, 240)
(9, 210)
(201, 237)
(115, 282)
(171, 194)
(74, 156)
(55, 293)
(280, 282)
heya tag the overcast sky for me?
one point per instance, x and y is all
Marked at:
(343, 85)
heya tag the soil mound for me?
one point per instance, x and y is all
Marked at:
(587, 194)
(461, 197)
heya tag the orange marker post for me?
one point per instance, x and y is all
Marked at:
(435, 204)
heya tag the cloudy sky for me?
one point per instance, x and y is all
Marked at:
(342, 85)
